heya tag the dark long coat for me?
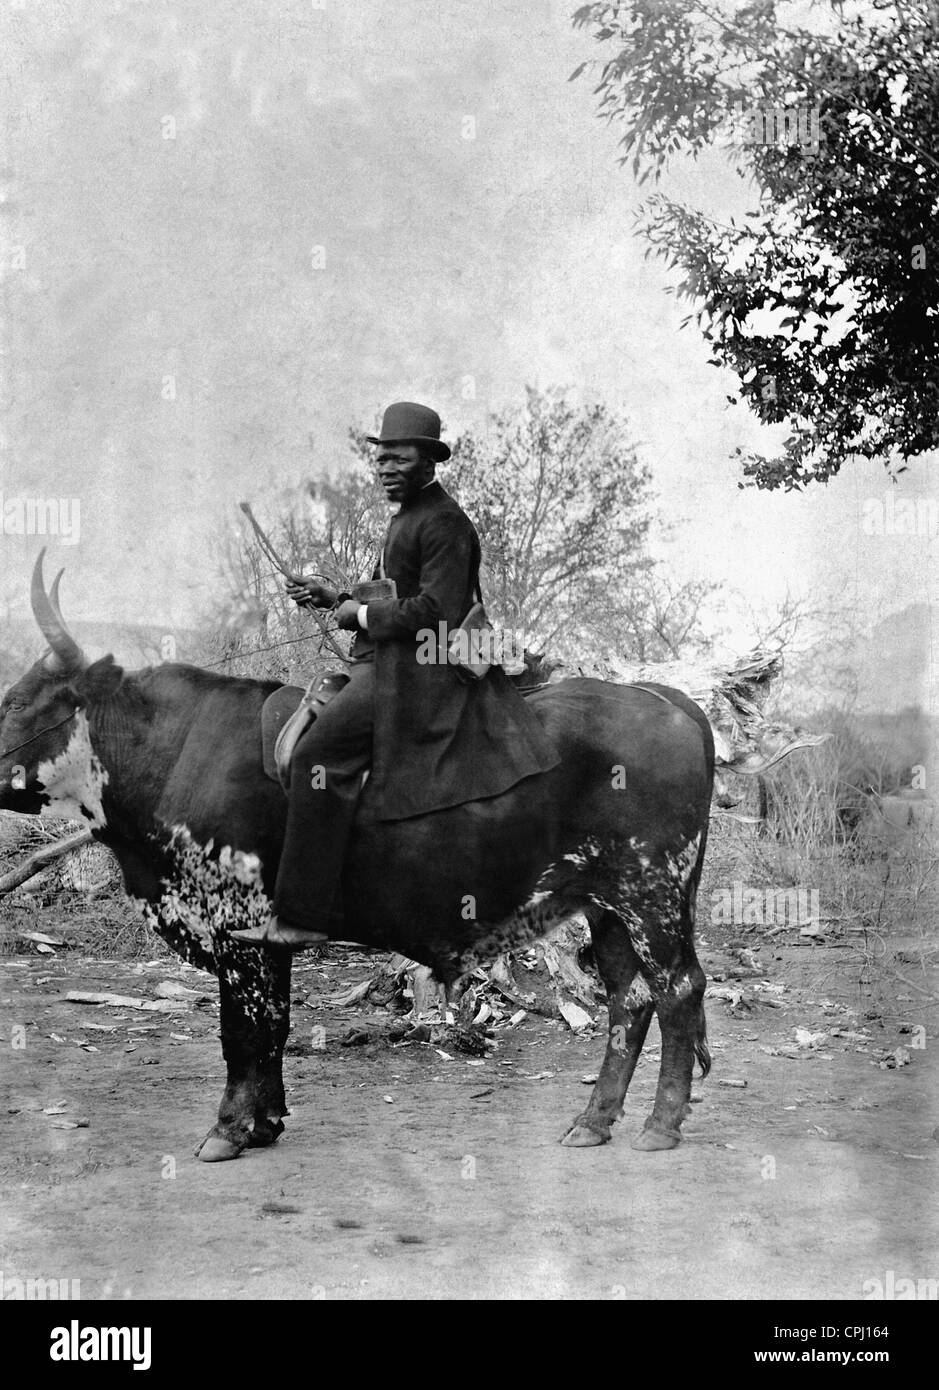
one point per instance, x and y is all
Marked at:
(439, 741)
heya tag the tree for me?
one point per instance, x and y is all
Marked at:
(562, 503)
(825, 302)
(660, 619)
(560, 500)
(818, 636)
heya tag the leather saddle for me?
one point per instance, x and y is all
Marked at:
(275, 712)
(286, 714)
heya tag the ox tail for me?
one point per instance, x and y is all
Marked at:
(702, 1052)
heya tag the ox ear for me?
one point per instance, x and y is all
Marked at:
(100, 679)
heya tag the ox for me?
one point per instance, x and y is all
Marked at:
(165, 765)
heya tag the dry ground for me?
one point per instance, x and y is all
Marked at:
(406, 1174)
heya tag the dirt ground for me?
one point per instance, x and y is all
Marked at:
(807, 1169)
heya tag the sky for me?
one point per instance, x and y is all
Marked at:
(233, 230)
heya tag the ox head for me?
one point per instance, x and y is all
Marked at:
(47, 763)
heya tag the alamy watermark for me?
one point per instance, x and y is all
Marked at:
(768, 126)
(900, 516)
(37, 1289)
(741, 905)
(445, 646)
(776, 125)
(78, 1343)
(41, 516)
(897, 1287)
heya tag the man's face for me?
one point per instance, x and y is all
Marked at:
(402, 471)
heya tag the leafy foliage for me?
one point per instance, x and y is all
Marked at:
(556, 493)
(825, 303)
(562, 505)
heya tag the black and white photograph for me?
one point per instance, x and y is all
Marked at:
(468, 652)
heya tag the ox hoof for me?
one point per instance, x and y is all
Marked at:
(267, 1133)
(652, 1140)
(583, 1137)
(216, 1150)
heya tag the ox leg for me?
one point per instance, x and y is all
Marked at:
(630, 1008)
(254, 988)
(270, 1103)
(679, 1005)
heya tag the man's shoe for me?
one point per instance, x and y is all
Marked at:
(279, 935)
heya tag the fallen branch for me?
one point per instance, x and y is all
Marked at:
(40, 858)
(905, 979)
(38, 938)
(733, 698)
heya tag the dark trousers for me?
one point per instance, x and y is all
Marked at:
(325, 780)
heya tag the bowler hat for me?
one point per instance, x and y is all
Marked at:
(407, 423)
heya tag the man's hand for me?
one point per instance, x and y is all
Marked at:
(309, 593)
(347, 615)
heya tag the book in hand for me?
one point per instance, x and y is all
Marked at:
(373, 589)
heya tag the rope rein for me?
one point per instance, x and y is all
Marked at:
(32, 739)
(258, 651)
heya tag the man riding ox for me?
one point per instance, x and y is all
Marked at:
(168, 767)
(430, 738)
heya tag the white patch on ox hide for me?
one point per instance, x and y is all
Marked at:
(74, 780)
(584, 856)
(204, 897)
(544, 910)
(637, 846)
(638, 994)
(682, 988)
(650, 967)
(209, 894)
(682, 864)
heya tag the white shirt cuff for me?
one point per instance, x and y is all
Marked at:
(362, 617)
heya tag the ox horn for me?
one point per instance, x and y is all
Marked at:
(65, 652)
(54, 596)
